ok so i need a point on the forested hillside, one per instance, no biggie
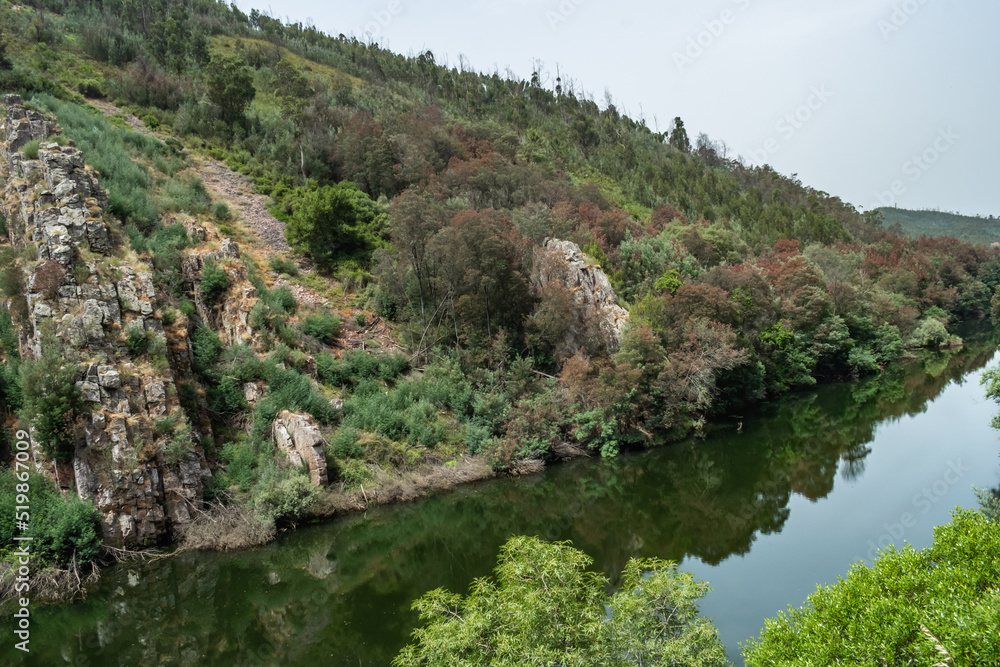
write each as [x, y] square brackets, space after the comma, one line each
[473, 268]
[971, 228]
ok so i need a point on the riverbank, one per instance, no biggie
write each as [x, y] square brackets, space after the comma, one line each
[797, 495]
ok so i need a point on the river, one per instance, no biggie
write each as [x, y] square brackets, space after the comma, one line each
[811, 484]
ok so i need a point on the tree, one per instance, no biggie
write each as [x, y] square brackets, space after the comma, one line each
[230, 86]
[52, 402]
[544, 608]
[333, 221]
[934, 606]
[679, 136]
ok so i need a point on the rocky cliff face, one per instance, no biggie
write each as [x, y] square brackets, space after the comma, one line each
[85, 294]
[594, 298]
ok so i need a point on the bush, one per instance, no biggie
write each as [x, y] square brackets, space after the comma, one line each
[188, 196]
[221, 212]
[137, 341]
[90, 88]
[353, 472]
[360, 365]
[323, 326]
[151, 121]
[214, 282]
[52, 402]
[931, 333]
[206, 348]
[284, 496]
[63, 528]
[280, 264]
[177, 447]
[30, 149]
[283, 299]
[187, 308]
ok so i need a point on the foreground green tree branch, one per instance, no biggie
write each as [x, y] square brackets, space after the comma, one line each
[543, 607]
[939, 605]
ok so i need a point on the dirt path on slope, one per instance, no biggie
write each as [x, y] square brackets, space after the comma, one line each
[268, 234]
[226, 184]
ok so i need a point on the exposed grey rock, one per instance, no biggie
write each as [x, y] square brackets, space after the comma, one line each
[229, 248]
[108, 377]
[563, 262]
[301, 440]
[90, 391]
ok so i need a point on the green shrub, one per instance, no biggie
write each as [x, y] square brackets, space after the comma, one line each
[3, 225]
[8, 337]
[90, 88]
[187, 308]
[221, 212]
[169, 316]
[30, 149]
[344, 444]
[52, 402]
[931, 333]
[137, 341]
[353, 472]
[63, 529]
[179, 444]
[557, 611]
[151, 121]
[360, 319]
[214, 282]
[188, 196]
[989, 503]
[360, 365]
[323, 326]
[225, 397]
[206, 348]
[283, 299]
[283, 265]
[284, 496]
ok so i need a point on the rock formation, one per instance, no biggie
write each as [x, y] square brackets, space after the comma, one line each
[595, 300]
[85, 294]
[299, 438]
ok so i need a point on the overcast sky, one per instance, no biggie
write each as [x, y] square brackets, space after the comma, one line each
[870, 100]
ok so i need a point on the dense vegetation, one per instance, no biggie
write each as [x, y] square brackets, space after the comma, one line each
[971, 228]
[427, 190]
[544, 608]
[940, 605]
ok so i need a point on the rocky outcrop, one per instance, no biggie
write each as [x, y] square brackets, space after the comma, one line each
[301, 441]
[594, 298]
[85, 297]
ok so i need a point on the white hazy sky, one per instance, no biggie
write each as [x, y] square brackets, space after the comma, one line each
[904, 94]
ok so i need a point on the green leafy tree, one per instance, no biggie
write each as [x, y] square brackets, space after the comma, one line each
[940, 605]
[52, 402]
[679, 136]
[230, 86]
[334, 221]
[544, 608]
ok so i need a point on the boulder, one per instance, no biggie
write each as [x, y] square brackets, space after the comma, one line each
[300, 439]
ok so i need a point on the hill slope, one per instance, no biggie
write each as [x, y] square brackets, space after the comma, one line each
[974, 229]
[483, 273]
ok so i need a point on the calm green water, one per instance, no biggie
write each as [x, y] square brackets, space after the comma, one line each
[807, 488]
